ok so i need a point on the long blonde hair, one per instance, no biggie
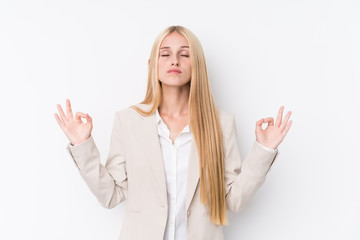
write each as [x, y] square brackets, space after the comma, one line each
[204, 122]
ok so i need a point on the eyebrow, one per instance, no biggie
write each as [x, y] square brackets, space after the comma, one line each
[169, 47]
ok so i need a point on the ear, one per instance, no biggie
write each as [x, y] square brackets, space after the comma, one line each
[149, 61]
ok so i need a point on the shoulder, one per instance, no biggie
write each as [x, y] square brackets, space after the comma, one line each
[129, 113]
[226, 118]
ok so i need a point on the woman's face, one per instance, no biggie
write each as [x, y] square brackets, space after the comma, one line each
[174, 66]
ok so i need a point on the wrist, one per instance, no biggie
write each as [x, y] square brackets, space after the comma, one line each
[267, 146]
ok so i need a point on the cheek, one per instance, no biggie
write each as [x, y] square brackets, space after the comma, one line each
[188, 66]
[160, 66]
[188, 71]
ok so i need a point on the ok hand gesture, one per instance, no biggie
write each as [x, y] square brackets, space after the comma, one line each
[273, 135]
[75, 130]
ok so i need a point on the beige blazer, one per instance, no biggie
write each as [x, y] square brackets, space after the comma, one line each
[134, 170]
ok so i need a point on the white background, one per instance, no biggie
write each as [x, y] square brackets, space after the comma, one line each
[304, 55]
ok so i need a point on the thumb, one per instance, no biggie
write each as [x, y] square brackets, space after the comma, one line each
[88, 118]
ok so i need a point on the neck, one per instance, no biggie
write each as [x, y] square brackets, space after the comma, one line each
[174, 100]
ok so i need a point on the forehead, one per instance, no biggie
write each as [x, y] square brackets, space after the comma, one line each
[174, 40]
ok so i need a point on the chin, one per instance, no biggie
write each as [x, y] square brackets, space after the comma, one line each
[174, 83]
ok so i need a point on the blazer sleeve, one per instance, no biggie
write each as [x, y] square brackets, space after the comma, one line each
[243, 178]
[108, 183]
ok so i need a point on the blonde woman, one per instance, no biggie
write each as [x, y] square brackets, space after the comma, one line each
[174, 156]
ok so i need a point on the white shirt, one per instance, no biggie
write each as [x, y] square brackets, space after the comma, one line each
[176, 158]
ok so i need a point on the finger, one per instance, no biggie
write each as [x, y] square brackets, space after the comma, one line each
[270, 121]
[286, 119]
[79, 115]
[61, 124]
[68, 109]
[259, 124]
[286, 129]
[62, 114]
[279, 116]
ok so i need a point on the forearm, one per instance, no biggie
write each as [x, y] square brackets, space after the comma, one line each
[252, 175]
[87, 158]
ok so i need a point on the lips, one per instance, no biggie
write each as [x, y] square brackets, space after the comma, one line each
[174, 71]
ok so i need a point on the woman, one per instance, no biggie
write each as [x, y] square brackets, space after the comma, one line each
[175, 155]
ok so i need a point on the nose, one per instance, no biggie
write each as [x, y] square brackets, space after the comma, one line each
[175, 61]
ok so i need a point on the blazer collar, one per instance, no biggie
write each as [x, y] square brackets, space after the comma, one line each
[152, 146]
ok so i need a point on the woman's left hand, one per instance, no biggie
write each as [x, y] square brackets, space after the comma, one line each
[273, 134]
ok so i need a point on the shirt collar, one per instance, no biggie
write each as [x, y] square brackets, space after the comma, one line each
[159, 119]
[157, 115]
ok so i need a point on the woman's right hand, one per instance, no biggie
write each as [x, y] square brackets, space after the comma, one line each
[75, 130]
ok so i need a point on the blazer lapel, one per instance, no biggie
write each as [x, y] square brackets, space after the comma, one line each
[151, 144]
